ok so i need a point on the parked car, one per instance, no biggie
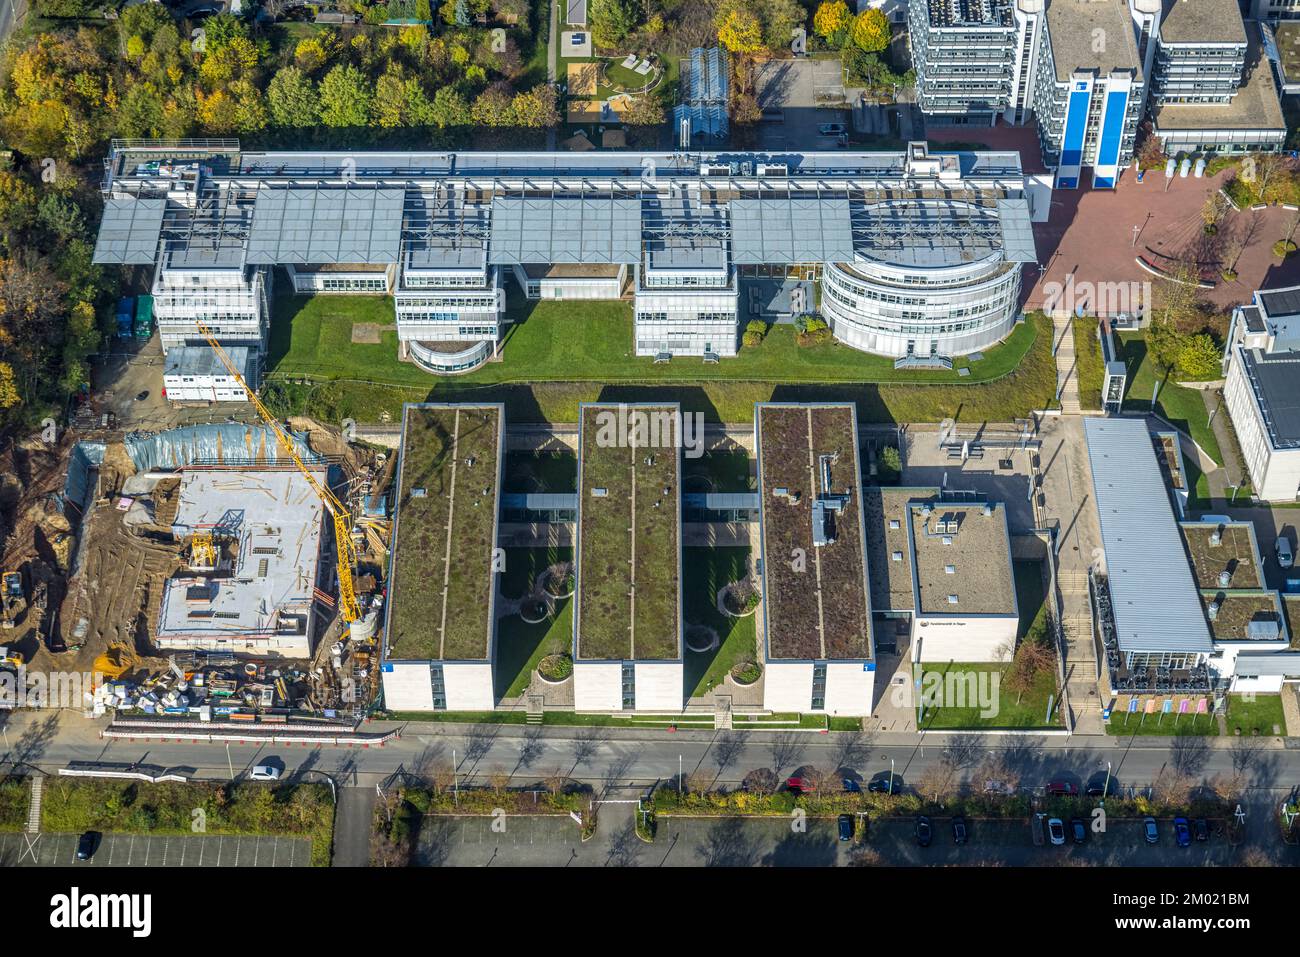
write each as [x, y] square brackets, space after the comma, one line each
[1182, 832]
[1201, 828]
[846, 827]
[959, 832]
[800, 785]
[265, 772]
[832, 129]
[885, 785]
[1056, 831]
[87, 844]
[924, 833]
[1061, 789]
[1151, 831]
[852, 786]
[1285, 557]
[1078, 830]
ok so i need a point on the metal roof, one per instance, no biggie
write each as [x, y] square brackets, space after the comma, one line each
[928, 233]
[443, 232]
[203, 361]
[1261, 664]
[301, 225]
[1275, 382]
[790, 230]
[564, 229]
[1278, 303]
[1153, 596]
[129, 231]
[1017, 231]
[682, 233]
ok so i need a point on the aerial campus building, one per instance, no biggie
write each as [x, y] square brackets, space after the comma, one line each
[1182, 607]
[922, 253]
[1262, 391]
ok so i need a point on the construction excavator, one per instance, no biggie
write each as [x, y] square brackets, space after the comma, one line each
[346, 550]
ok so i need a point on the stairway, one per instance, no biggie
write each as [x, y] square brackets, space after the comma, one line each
[1067, 380]
[34, 804]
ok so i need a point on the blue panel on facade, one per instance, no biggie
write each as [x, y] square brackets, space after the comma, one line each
[1103, 182]
[1076, 124]
[1112, 129]
[1067, 182]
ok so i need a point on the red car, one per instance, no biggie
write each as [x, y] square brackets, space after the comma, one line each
[1061, 789]
[800, 784]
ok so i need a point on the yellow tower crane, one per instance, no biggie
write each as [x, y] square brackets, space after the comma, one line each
[347, 551]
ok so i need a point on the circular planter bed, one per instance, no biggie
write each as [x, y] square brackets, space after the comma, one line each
[1284, 248]
[555, 669]
[534, 611]
[558, 581]
[738, 600]
[746, 673]
[701, 638]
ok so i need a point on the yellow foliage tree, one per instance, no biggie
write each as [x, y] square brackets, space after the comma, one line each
[8, 387]
[870, 31]
[831, 18]
[741, 32]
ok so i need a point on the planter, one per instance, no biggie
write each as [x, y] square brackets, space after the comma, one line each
[534, 611]
[725, 595]
[558, 574]
[701, 639]
[557, 665]
[745, 673]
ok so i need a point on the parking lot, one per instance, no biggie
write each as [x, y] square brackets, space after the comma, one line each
[141, 850]
[791, 93]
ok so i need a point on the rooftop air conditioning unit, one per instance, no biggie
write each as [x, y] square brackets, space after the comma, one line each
[772, 169]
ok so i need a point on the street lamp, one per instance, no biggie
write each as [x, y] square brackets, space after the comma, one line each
[1105, 789]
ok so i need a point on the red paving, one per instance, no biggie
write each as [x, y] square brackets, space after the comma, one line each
[1090, 234]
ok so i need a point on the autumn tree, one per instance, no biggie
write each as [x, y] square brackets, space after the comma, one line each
[870, 31]
[739, 30]
[831, 21]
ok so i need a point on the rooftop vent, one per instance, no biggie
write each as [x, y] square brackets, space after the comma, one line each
[1216, 536]
[894, 524]
[599, 492]
[950, 569]
[952, 599]
[897, 556]
[1212, 612]
[947, 539]
[1225, 576]
[418, 493]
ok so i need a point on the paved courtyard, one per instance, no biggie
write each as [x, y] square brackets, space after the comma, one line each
[156, 850]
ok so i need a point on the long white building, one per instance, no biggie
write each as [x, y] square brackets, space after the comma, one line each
[921, 253]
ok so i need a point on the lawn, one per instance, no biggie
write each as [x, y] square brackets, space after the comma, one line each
[520, 645]
[1180, 406]
[1031, 600]
[549, 367]
[72, 805]
[1089, 369]
[1257, 714]
[1012, 711]
[13, 804]
[706, 571]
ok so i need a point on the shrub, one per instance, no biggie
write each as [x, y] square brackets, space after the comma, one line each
[1283, 248]
[812, 331]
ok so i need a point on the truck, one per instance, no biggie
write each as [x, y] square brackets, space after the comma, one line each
[125, 316]
[143, 317]
[13, 597]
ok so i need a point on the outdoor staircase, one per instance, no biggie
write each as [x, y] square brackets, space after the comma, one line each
[1067, 379]
[536, 708]
[34, 804]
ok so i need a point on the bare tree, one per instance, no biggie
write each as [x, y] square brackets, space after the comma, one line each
[727, 749]
[851, 749]
[937, 781]
[1171, 788]
[498, 780]
[760, 781]
[785, 751]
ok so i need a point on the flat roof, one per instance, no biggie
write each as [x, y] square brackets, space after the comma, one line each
[271, 521]
[889, 562]
[1245, 615]
[129, 231]
[1154, 599]
[1073, 27]
[967, 13]
[790, 230]
[816, 604]
[1256, 105]
[1279, 304]
[442, 587]
[933, 232]
[629, 546]
[972, 563]
[1236, 553]
[683, 233]
[590, 229]
[203, 361]
[323, 224]
[1287, 35]
[1275, 380]
[1202, 21]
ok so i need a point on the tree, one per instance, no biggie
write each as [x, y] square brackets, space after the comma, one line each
[345, 97]
[8, 387]
[740, 31]
[536, 107]
[449, 108]
[612, 21]
[831, 21]
[870, 31]
[292, 100]
[1199, 358]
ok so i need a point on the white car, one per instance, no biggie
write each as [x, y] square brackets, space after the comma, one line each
[264, 772]
[1056, 831]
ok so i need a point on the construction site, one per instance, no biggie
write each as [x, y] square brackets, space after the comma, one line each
[195, 572]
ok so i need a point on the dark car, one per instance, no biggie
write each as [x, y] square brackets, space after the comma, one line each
[1201, 828]
[959, 832]
[1061, 789]
[852, 786]
[883, 786]
[87, 844]
[141, 396]
[1100, 786]
[1151, 831]
[1182, 832]
[846, 827]
[1078, 830]
[924, 833]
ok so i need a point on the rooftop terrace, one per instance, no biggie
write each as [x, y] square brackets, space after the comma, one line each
[629, 534]
[441, 594]
[815, 595]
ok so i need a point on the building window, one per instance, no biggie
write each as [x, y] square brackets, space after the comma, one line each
[819, 686]
[629, 686]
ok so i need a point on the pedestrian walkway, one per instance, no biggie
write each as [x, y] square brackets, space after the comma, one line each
[1233, 473]
[1067, 379]
[37, 785]
[353, 822]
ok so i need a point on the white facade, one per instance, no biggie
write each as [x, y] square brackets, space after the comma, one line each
[965, 638]
[407, 686]
[787, 686]
[203, 388]
[1274, 472]
[598, 686]
[465, 686]
[561, 283]
[340, 280]
[231, 302]
[660, 685]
